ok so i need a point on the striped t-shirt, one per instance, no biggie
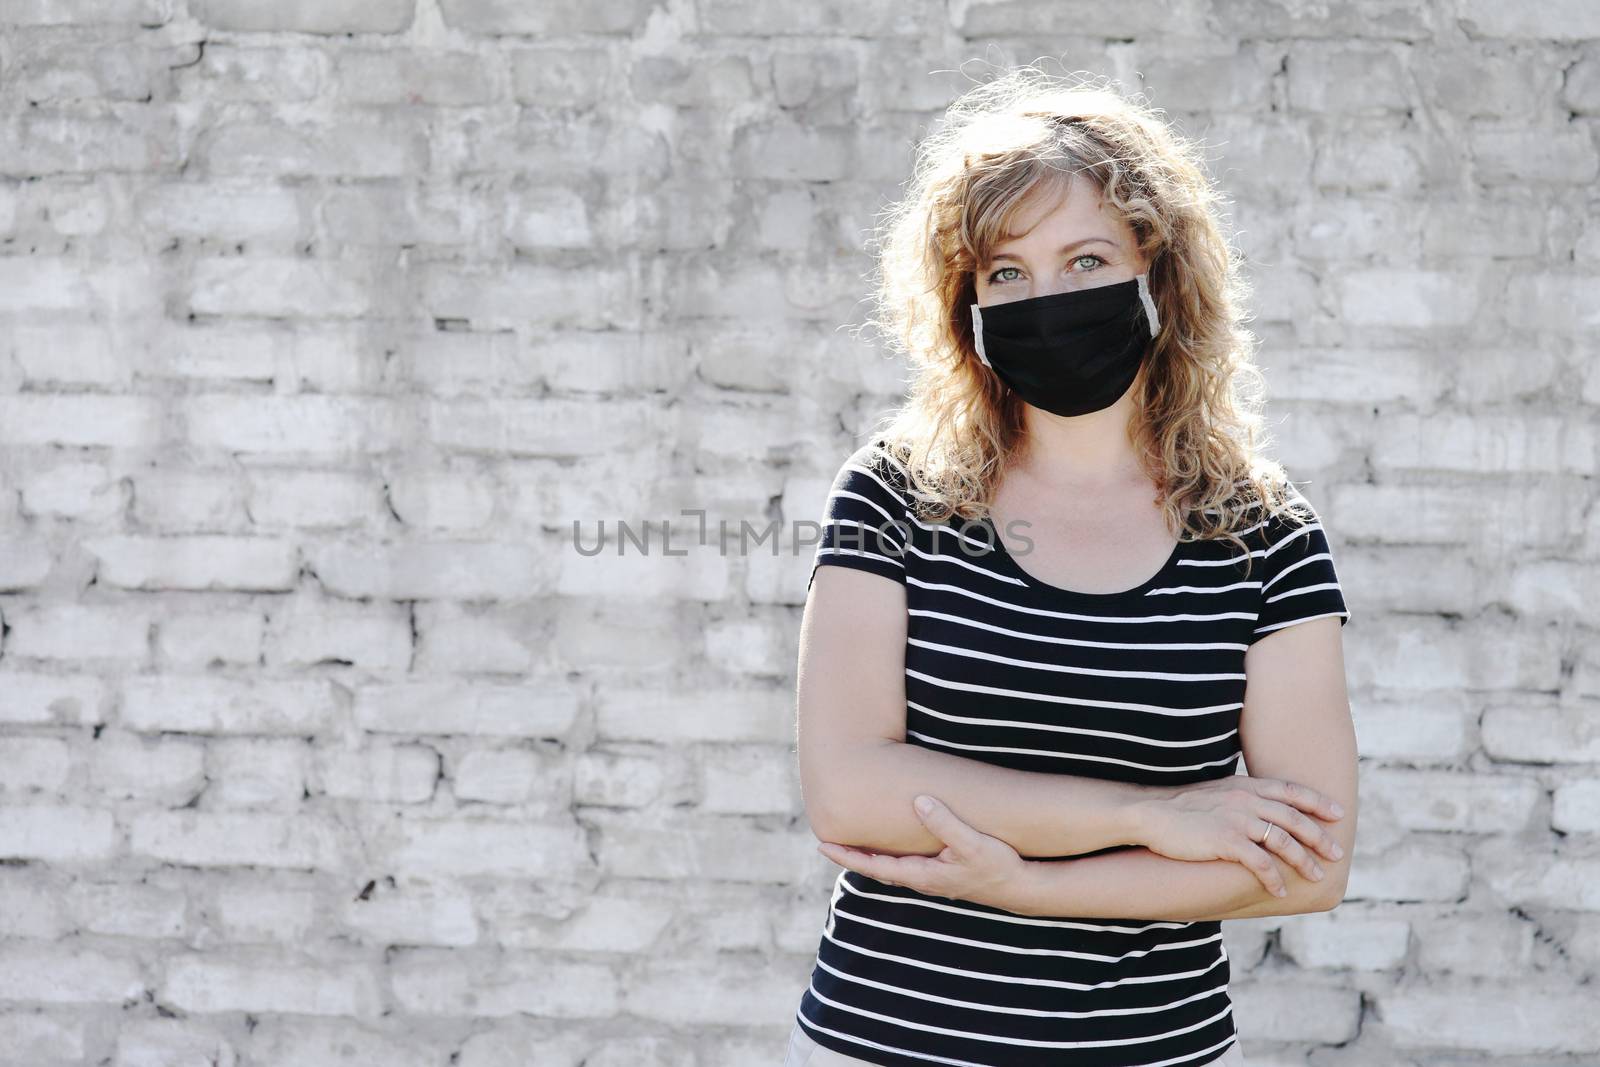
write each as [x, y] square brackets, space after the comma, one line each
[1144, 686]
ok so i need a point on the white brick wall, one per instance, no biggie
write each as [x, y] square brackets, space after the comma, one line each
[319, 743]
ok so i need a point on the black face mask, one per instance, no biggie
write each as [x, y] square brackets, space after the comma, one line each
[1069, 353]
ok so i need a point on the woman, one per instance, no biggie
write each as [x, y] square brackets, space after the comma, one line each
[1058, 596]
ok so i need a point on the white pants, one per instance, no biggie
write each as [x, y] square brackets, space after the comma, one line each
[804, 1052]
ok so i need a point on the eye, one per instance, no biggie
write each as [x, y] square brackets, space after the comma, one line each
[1089, 255]
[993, 278]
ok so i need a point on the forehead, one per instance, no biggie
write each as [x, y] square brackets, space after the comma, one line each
[1053, 214]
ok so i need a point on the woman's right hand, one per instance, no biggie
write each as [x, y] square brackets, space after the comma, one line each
[1225, 818]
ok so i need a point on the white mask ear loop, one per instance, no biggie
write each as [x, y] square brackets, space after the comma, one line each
[1149, 304]
[977, 335]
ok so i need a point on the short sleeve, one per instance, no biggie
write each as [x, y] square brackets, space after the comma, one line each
[865, 522]
[1298, 579]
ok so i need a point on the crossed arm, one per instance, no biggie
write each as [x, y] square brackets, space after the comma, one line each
[1295, 725]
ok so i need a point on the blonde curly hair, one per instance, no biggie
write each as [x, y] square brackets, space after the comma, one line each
[1198, 428]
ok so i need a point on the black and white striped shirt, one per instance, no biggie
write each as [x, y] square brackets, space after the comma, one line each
[1145, 686]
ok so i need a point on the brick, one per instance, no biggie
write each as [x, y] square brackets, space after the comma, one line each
[1225, 77]
[1466, 803]
[1521, 154]
[429, 570]
[158, 1042]
[1534, 875]
[251, 912]
[80, 419]
[1407, 298]
[32, 907]
[482, 709]
[89, 12]
[502, 848]
[64, 141]
[1486, 443]
[727, 849]
[308, 499]
[1483, 84]
[1541, 732]
[187, 500]
[608, 921]
[1489, 946]
[490, 17]
[450, 501]
[394, 774]
[441, 982]
[31, 1037]
[308, 633]
[614, 364]
[747, 780]
[661, 992]
[451, 639]
[70, 355]
[61, 973]
[1432, 727]
[124, 766]
[251, 773]
[1416, 872]
[34, 764]
[619, 781]
[1545, 301]
[1580, 90]
[505, 777]
[45, 699]
[1554, 1017]
[291, 425]
[555, 428]
[1348, 79]
[569, 74]
[57, 834]
[25, 563]
[211, 705]
[1575, 808]
[326, 1040]
[84, 491]
[129, 910]
[1560, 20]
[235, 839]
[196, 641]
[1426, 653]
[76, 633]
[414, 77]
[710, 714]
[1361, 19]
[263, 983]
[1533, 513]
[392, 915]
[913, 19]
[196, 562]
[1345, 938]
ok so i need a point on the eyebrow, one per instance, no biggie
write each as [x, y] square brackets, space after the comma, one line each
[1062, 250]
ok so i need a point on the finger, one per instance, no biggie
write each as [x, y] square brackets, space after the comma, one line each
[1304, 827]
[1259, 862]
[908, 871]
[1282, 842]
[1302, 796]
[944, 823]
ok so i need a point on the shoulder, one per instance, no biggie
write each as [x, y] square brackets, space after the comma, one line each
[1274, 509]
[876, 468]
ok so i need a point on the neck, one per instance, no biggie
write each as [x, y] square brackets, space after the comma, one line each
[1086, 452]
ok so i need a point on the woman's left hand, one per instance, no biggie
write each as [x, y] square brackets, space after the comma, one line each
[973, 865]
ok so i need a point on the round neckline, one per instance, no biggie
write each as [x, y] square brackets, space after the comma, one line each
[1011, 565]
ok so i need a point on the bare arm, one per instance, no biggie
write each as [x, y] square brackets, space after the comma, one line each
[857, 774]
[1295, 725]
